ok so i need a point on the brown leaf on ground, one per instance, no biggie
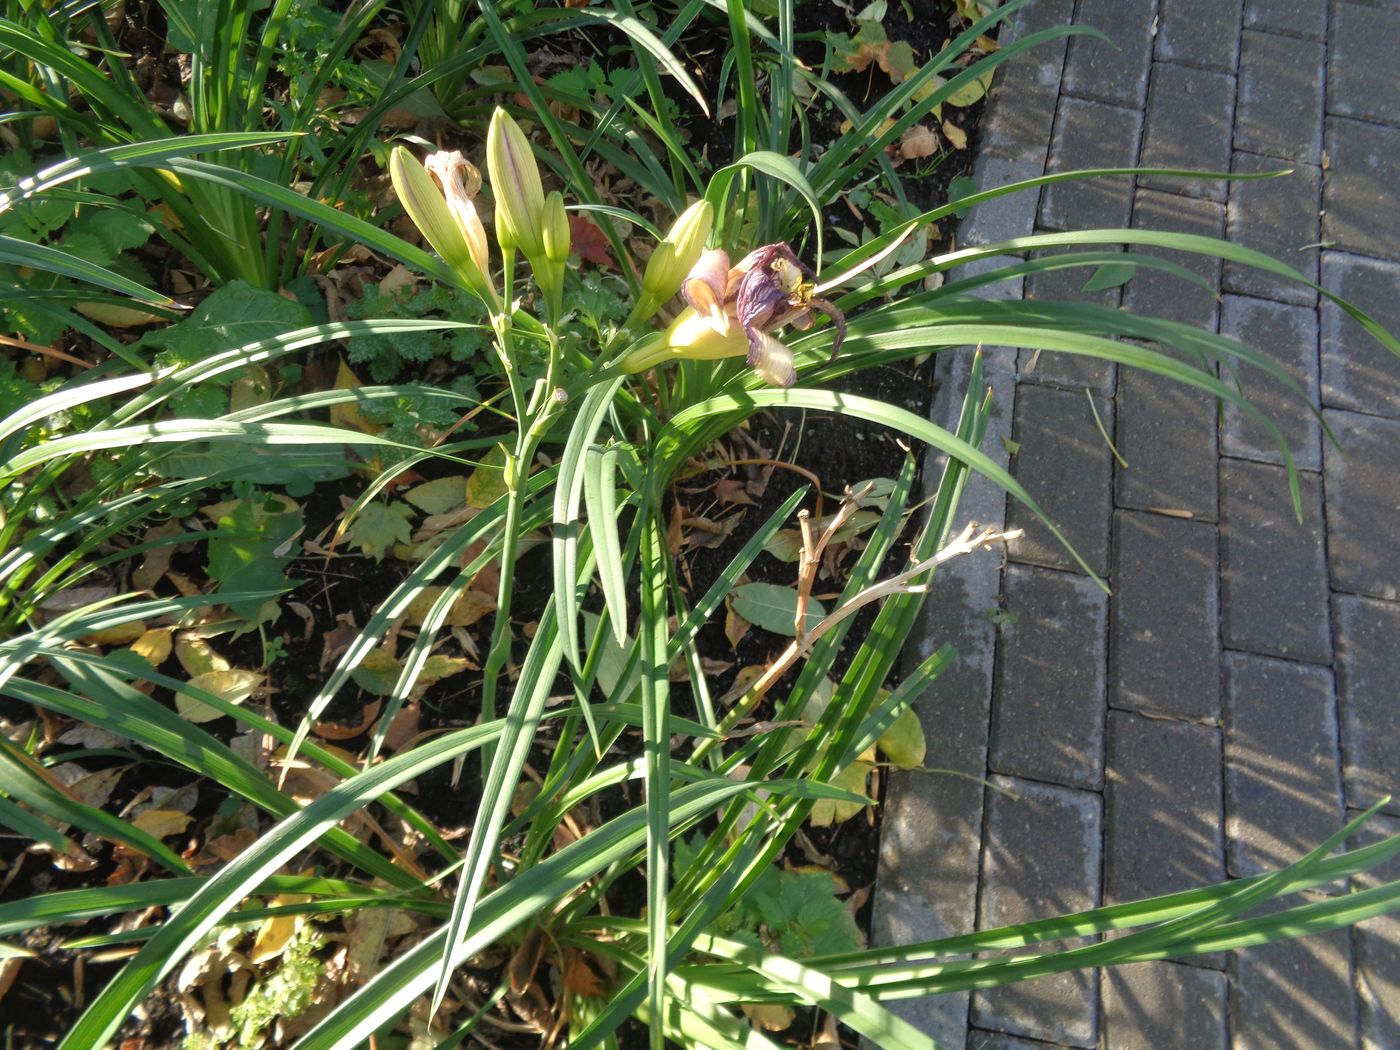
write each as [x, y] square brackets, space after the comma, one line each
[470, 606]
[336, 731]
[162, 823]
[580, 978]
[156, 560]
[735, 626]
[733, 491]
[918, 142]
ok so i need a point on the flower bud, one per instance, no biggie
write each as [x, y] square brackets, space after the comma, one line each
[515, 179]
[556, 229]
[679, 252]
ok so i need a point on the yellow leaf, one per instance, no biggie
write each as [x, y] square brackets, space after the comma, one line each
[118, 635]
[903, 742]
[956, 135]
[771, 1017]
[196, 655]
[470, 606]
[161, 823]
[828, 811]
[154, 645]
[349, 415]
[231, 685]
[438, 496]
[488, 481]
[277, 932]
[114, 315]
[972, 91]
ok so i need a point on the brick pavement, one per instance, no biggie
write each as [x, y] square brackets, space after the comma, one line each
[1235, 697]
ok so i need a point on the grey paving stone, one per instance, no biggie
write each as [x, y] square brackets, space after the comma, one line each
[1156, 294]
[1021, 109]
[1273, 570]
[1279, 217]
[1189, 115]
[1357, 372]
[1066, 465]
[1203, 33]
[1167, 436]
[1075, 371]
[1377, 944]
[1146, 1006]
[1279, 111]
[1359, 192]
[1162, 806]
[1361, 79]
[1288, 335]
[1164, 642]
[1283, 792]
[1048, 704]
[1299, 17]
[998, 288]
[1062, 830]
[930, 839]
[1363, 504]
[1091, 135]
[1043, 14]
[979, 1039]
[1097, 70]
[1368, 668]
[927, 884]
[1294, 994]
[1006, 217]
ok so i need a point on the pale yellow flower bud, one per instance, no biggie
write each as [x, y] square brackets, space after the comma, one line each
[515, 179]
[679, 252]
[556, 229]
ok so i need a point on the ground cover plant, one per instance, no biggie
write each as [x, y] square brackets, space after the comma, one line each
[520, 800]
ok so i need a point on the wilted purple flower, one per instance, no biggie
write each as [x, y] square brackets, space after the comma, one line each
[768, 288]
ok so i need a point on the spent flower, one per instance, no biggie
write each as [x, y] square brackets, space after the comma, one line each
[734, 310]
[437, 195]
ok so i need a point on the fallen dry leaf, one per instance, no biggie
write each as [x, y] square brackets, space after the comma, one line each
[919, 141]
[161, 823]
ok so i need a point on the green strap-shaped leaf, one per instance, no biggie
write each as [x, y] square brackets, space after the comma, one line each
[600, 500]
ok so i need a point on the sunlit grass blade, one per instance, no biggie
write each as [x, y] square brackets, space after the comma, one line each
[527, 706]
[600, 500]
[653, 46]
[25, 254]
[774, 165]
